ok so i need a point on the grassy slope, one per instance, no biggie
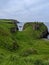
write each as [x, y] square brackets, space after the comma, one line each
[25, 40]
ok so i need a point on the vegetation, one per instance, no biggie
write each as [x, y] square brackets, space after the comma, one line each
[23, 47]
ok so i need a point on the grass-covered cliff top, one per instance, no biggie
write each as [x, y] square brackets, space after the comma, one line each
[23, 47]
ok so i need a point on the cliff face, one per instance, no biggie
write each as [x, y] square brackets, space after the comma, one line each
[38, 30]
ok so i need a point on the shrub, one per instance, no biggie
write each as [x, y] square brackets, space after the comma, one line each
[10, 46]
[38, 62]
[14, 46]
[30, 51]
[46, 63]
[13, 58]
[1, 57]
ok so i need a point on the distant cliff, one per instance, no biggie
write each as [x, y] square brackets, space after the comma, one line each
[36, 29]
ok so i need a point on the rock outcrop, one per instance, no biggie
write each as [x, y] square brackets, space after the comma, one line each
[13, 29]
[36, 26]
[38, 29]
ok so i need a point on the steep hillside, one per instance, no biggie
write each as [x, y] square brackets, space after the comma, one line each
[23, 47]
[7, 28]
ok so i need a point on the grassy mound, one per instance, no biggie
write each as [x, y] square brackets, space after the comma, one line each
[23, 47]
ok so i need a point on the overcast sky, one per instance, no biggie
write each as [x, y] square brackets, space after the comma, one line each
[25, 10]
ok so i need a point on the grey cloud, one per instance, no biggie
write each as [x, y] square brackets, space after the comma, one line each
[24, 10]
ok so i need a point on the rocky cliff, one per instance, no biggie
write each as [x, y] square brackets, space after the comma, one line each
[39, 29]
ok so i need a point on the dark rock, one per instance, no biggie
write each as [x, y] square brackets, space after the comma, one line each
[44, 34]
[48, 32]
[13, 29]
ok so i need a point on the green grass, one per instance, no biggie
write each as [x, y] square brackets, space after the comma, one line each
[27, 41]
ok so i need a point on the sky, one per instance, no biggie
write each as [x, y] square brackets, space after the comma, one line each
[25, 10]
